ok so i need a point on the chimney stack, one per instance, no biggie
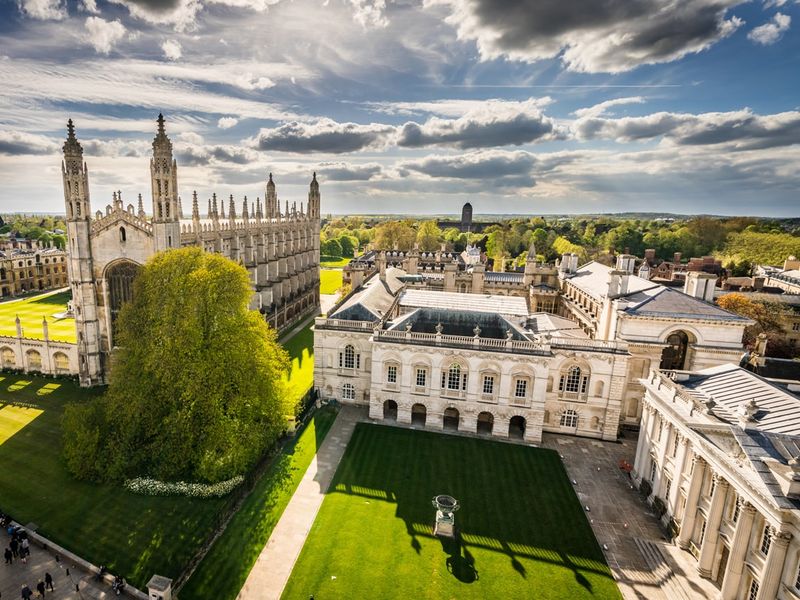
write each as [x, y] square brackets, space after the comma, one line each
[700, 285]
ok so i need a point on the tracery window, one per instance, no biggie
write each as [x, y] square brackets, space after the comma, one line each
[349, 359]
[454, 378]
[569, 418]
[573, 381]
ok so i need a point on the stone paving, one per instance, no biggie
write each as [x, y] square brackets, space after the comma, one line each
[619, 515]
[65, 577]
[274, 565]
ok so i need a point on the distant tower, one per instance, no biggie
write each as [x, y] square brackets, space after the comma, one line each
[75, 175]
[271, 199]
[466, 217]
[164, 179]
[313, 198]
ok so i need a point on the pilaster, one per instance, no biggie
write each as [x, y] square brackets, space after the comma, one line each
[773, 567]
[741, 539]
[692, 496]
[708, 548]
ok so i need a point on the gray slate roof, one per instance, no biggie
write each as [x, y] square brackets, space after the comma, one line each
[373, 300]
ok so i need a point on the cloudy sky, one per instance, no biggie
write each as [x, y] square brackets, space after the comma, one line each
[519, 106]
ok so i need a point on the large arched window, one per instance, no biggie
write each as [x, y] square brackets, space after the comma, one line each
[34, 360]
[673, 357]
[8, 357]
[120, 278]
[455, 378]
[349, 358]
[61, 361]
[574, 381]
[569, 418]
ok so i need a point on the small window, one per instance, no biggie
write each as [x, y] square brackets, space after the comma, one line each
[454, 379]
[521, 388]
[653, 468]
[349, 359]
[702, 533]
[391, 374]
[422, 377]
[797, 579]
[122, 235]
[348, 392]
[712, 488]
[675, 443]
[667, 488]
[737, 507]
[569, 418]
[752, 593]
[488, 384]
[766, 540]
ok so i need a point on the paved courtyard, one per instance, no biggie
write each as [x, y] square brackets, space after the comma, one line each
[644, 563]
[66, 577]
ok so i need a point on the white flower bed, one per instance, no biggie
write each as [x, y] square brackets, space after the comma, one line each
[154, 487]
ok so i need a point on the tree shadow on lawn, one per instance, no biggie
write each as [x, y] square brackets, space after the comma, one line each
[515, 500]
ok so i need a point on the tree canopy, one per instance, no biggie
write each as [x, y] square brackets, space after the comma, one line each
[196, 388]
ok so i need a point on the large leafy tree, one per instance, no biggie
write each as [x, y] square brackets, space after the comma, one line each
[196, 388]
[768, 319]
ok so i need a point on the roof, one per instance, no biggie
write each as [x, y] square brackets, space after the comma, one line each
[664, 301]
[592, 278]
[731, 387]
[504, 277]
[554, 325]
[458, 322]
[374, 299]
[504, 305]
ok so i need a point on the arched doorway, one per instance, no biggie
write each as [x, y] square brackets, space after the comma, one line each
[516, 427]
[485, 423]
[450, 419]
[119, 278]
[673, 357]
[418, 414]
[390, 410]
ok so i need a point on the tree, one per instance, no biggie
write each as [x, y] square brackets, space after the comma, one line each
[429, 236]
[768, 317]
[196, 386]
[394, 234]
[331, 248]
[348, 244]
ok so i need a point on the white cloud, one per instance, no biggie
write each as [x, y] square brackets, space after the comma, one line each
[89, 6]
[771, 32]
[602, 107]
[172, 49]
[14, 143]
[179, 13]
[592, 35]
[322, 135]
[103, 35]
[227, 122]
[370, 13]
[446, 107]
[44, 10]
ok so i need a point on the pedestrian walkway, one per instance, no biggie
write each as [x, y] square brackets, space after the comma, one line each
[274, 565]
[66, 577]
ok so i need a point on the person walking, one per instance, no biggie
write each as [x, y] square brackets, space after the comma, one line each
[26, 593]
[40, 588]
[26, 546]
[14, 546]
[9, 556]
[48, 581]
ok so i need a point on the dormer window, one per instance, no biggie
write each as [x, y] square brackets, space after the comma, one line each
[122, 235]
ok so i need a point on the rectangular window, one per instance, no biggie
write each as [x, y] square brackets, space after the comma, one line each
[521, 388]
[766, 540]
[712, 487]
[422, 377]
[653, 467]
[391, 374]
[488, 384]
[752, 593]
[737, 506]
[667, 489]
[797, 580]
[348, 392]
[795, 326]
[675, 445]
[702, 533]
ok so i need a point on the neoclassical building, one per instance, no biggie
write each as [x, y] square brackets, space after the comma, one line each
[279, 249]
[719, 450]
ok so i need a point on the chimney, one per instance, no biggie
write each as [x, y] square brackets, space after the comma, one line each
[761, 348]
[573, 263]
[626, 262]
[676, 258]
[617, 283]
[650, 255]
[700, 285]
[382, 265]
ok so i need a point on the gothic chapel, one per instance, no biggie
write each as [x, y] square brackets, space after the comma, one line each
[280, 250]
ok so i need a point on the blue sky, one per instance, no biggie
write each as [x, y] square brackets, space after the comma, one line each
[533, 106]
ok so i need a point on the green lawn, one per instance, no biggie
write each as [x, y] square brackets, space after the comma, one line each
[225, 568]
[330, 262]
[31, 310]
[132, 535]
[330, 280]
[301, 371]
[524, 533]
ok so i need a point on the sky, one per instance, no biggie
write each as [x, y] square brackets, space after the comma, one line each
[517, 106]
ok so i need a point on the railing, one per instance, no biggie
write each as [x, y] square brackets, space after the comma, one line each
[573, 396]
[460, 341]
[344, 324]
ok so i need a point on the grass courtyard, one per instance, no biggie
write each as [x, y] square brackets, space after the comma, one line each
[31, 311]
[330, 280]
[131, 534]
[523, 531]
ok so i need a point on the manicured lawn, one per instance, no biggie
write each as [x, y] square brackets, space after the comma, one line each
[132, 535]
[301, 352]
[225, 568]
[31, 311]
[524, 534]
[334, 262]
[330, 280]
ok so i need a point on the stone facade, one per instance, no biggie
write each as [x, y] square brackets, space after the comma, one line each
[28, 270]
[719, 450]
[38, 355]
[279, 249]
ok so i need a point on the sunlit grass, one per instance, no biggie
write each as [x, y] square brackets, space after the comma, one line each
[523, 531]
[330, 280]
[32, 310]
[14, 418]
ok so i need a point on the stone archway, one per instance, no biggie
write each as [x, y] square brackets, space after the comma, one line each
[390, 410]
[450, 419]
[673, 356]
[485, 423]
[419, 414]
[516, 427]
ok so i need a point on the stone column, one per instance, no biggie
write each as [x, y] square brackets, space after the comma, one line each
[666, 434]
[642, 445]
[692, 496]
[677, 474]
[773, 567]
[741, 539]
[708, 548]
